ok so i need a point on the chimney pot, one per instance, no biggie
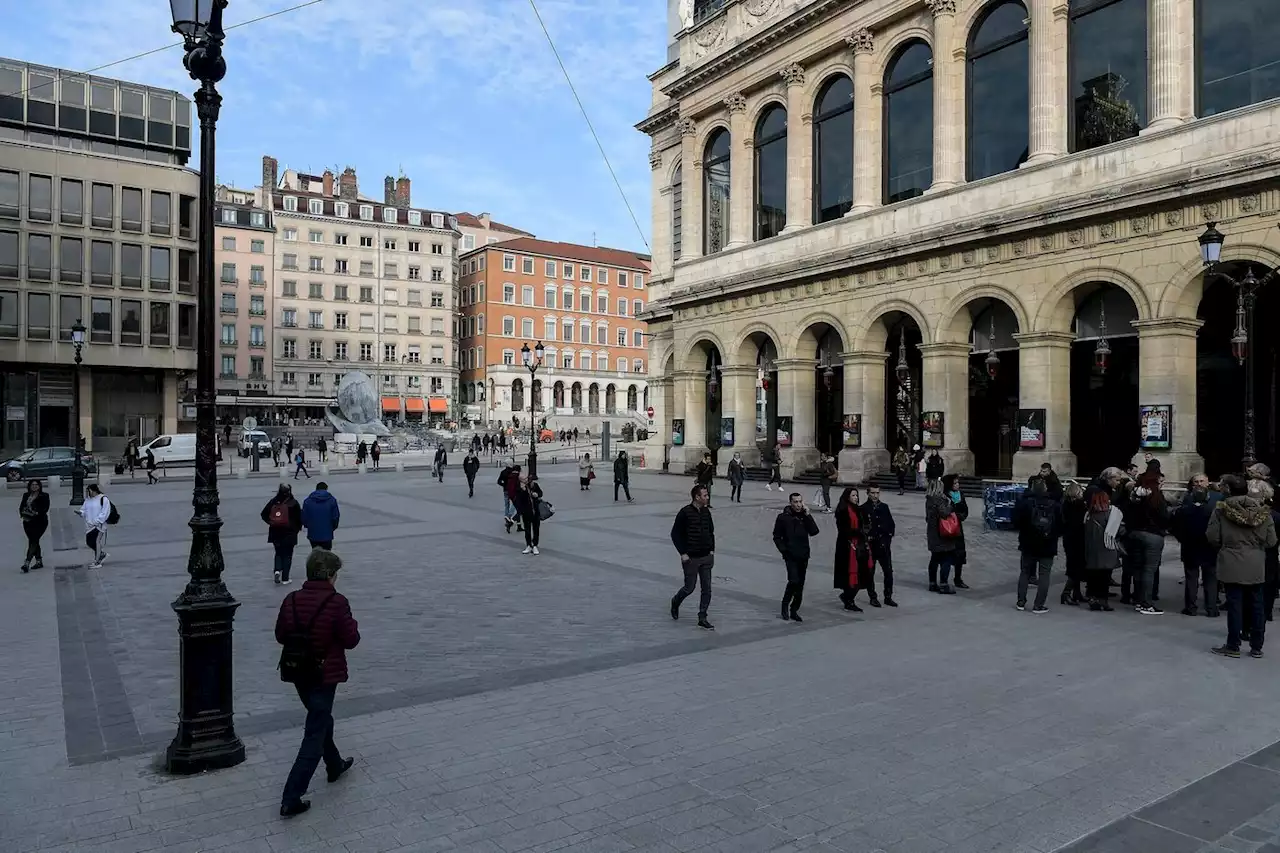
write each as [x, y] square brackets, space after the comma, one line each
[402, 193]
[270, 174]
[348, 187]
[327, 179]
[389, 190]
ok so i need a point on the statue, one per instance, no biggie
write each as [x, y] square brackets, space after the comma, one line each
[686, 14]
[359, 408]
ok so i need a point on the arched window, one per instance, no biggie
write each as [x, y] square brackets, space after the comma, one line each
[1237, 54]
[517, 395]
[999, 91]
[771, 172]
[833, 150]
[908, 123]
[715, 192]
[1108, 44]
[677, 204]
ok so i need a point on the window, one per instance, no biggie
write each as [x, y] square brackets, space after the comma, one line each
[71, 201]
[715, 192]
[340, 319]
[340, 266]
[102, 199]
[161, 264]
[549, 329]
[315, 207]
[437, 274]
[389, 245]
[415, 273]
[389, 322]
[508, 356]
[526, 327]
[161, 213]
[340, 292]
[290, 204]
[602, 303]
[390, 296]
[316, 264]
[602, 334]
[257, 367]
[566, 330]
[584, 273]
[1108, 66]
[415, 381]
[40, 256]
[366, 241]
[257, 305]
[340, 350]
[289, 288]
[315, 319]
[416, 246]
[341, 208]
[366, 294]
[833, 150]
[567, 302]
[159, 331]
[636, 307]
[566, 271]
[315, 350]
[100, 321]
[257, 218]
[622, 337]
[526, 266]
[40, 201]
[366, 352]
[9, 254]
[228, 273]
[526, 294]
[257, 275]
[622, 307]
[228, 367]
[315, 380]
[315, 236]
[70, 309]
[130, 266]
[366, 212]
[549, 296]
[584, 361]
[228, 244]
[339, 239]
[908, 122]
[508, 263]
[228, 333]
[437, 299]
[437, 326]
[1238, 55]
[415, 326]
[568, 361]
[10, 197]
[288, 377]
[39, 317]
[228, 303]
[639, 281]
[315, 290]
[289, 262]
[622, 278]
[508, 326]
[290, 347]
[637, 366]
[390, 270]
[437, 355]
[468, 241]
[622, 365]
[187, 326]
[998, 98]
[415, 354]
[289, 317]
[388, 214]
[257, 336]
[290, 235]
[366, 269]
[509, 294]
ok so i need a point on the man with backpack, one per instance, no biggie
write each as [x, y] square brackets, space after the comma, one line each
[320, 515]
[316, 629]
[1038, 519]
[283, 516]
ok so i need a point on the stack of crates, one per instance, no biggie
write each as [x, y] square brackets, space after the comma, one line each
[997, 505]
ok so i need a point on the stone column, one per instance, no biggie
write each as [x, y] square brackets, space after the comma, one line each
[679, 404]
[1167, 375]
[946, 390]
[171, 402]
[1044, 382]
[948, 98]
[660, 216]
[799, 151]
[690, 192]
[741, 172]
[796, 381]
[738, 390]
[1170, 49]
[1048, 39]
[868, 119]
[660, 432]
[864, 394]
[695, 415]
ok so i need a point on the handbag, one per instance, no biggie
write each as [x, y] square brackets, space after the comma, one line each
[949, 526]
[591, 473]
[545, 510]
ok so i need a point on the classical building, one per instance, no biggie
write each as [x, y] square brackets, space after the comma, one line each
[97, 225]
[582, 303]
[361, 284]
[481, 230]
[969, 224]
[244, 246]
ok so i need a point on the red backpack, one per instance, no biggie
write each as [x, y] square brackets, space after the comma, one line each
[279, 515]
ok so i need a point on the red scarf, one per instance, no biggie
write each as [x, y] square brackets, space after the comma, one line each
[855, 526]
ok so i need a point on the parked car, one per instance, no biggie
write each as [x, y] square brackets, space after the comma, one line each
[246, 442]
[44, 462]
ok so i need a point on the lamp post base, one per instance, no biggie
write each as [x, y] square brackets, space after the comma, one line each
[533, 462]
[77, 486]
[206, 738]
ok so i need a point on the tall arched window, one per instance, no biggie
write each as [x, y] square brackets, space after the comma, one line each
[771, 172]
[908, 123]
[999, 91]
[833, 150]
[715, 192]
[1237, 54]
[677, 203]
[1108, 45]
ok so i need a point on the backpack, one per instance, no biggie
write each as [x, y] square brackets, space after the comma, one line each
[279, 515]
[298, 661]
[1042, 519]
[113, 517]
[502, 478]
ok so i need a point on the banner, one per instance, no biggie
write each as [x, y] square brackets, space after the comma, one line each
[784, 431]
[726, 432]
[677, 431]
[931, 425]
[852, 430]
[1157, 427]
[1031, 428]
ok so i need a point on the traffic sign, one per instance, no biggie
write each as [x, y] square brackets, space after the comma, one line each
[250, 423]
[650, 411]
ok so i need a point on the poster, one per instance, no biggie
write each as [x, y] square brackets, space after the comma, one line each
[1157, 427]
[852, 430]
[726, 432]
[931, 429]
[1031, 428]
[677, 431]
[784, 431]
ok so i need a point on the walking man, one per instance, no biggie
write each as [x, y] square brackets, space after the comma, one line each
[301, 460]
[441, 460]
[736, 475]
[376, 453]
[791, 532]
[880, 530]
[322, 447]
[316, 629]
[827, 477]
[470, 467]
[704, 474]
[621, 477]
[320, 515]
[694, 535]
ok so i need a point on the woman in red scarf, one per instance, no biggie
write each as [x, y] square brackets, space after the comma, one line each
[852, 554]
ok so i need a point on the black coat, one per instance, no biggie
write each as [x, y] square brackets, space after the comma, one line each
[1031, 541]
[694, 531]
[620, 474]
[791, 532]
[471, 466]
[880, 525]
[849, 542]
[1054, 484]
[35, 512]
[934, 468]
[286, 536]
[1073, 518]
[526, 501]
[704, 473]
[1188, 524]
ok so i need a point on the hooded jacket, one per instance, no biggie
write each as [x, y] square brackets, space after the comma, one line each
[320, 516]
[1241, 529]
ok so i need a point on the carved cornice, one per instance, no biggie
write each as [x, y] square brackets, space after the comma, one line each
[793, 74]
[941, 7]
[659, 121]
[862, 41]
[687, 127]
[736, 103]
[655, 160]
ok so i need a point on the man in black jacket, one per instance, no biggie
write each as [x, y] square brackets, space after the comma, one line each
[791, 534]
[880, 530]
[704, 473]
[694, 535]
[471, 467]
[1199, 559]
[1038, 519]
[621, 476]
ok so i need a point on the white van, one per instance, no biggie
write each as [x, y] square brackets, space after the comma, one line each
[247, 438]
[177, 449]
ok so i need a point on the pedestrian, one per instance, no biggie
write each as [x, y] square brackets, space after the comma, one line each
[920, 466]
[283, 516]
[316, 629]
[528, 495]
[441, 460]
[944, 521]
[878, 522]
[901, 467]
[621, 476]
[288, 446]
[34, 512]
[791, 533]
[694, 535]
[471, 467]
[1189, 524]
[1038, 519]
[1261, 490]
[132, 456]
[97, 513]
[951, 488]
[704, 474]
[375, 452]
[320, 515]
[1242, 530]
[151, 468]
[276, 444]
[1146, 518]
[322, 447]
[586, 472]
[775, 470]
[362, 452]
[737, 475]
[852, 555]
[934, 466]
[1074, 513]
[826, 478]
[300, 459]
[1051, 481]
[226, 434]
[575, 435]
[1103, 530]
[1273, 558]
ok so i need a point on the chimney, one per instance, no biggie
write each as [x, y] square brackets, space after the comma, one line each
[389, 191]
[328, 183]
[304, 183]
[402, 193]
[270, 174]
[348, 189]
[484, 220]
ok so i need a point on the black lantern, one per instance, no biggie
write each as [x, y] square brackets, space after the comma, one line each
[1211, 245]
[1240, 336]
[77, 467]
[713, 382]
[993, 360]
[532, 360]
[828, 375]
[1101, 350]
[902, 371]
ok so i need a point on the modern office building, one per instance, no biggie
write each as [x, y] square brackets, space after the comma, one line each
[244, 260]
[97, 225]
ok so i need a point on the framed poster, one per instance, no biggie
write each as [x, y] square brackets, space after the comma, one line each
[726, 432]
[1031, 428]
[677, 431]
[851, 429]
[931, 424]
[1157, 427]
[784, 431]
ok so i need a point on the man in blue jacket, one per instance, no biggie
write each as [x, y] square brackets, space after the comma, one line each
[320, 516]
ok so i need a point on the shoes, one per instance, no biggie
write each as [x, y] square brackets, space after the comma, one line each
[1148, 610]
[346, 765]
[507, 524]
[795, 617]
[785, 614]
[853, 608]
[1225, 651]
[1188, 611]
[946, 589]
[94, 566]
[875, 602]
[1212, 613]
[675, 609]
[1039, 608]
[295, 809]
[277, 578]
[527, 550]
[961, 584]
[1255, 653]
[1095, 605]
[286, 582]
[26, 567]
[705, 625]
[1068, 600]
[888, 600]
[39, 564]
[103, 559]
[536, 552]
[1021, 605]
[933, 587]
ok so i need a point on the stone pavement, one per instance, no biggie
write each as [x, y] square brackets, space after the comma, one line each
[504, 703]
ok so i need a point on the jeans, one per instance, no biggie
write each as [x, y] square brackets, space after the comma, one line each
[1196, 572]
[920, 482]
[325, 544]
[97, 541]
[1039, 566]
[902, 481]
[940, 565]
[881, 555]
[284, 560]
[532, 526]
[34, 530]
[775, 476]
[1240, 596]
[624, 485]
[508, 508]
[826, 495]
[697, 572]
[794, 592]
[302, 469]
[317, 742]
[1142, 564]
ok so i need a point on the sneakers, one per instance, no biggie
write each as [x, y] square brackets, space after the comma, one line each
[536, 552]
[1039, 608]
[933, 587]
[851, 607]
[103, 559]
[1148, 610]
[294, 809]
[875, 602]
[1253, 653]
[1188, 611]
[39, 564]
[26, 567]
[704, 624]
[277, 578]
[286, 582]
[1021, 605]
[1227, 651]
[527, 550]
[784, 614]
[946, 589]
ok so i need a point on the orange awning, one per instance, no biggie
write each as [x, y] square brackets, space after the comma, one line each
[390, 404]
[439, 405]
[414, 404]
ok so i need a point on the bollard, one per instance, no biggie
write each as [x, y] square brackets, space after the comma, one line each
[55, 483]
[362, 468]
[242, 474]
[284, 473]
[324, 469]
[399, 467]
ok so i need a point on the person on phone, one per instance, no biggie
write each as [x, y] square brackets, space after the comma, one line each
[694, 535]
[791, 532]
[528, 494]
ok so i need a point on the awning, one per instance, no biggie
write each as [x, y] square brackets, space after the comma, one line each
[414, 404]
[390, 404]
[438, 405]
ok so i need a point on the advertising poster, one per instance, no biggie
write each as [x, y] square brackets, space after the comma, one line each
[726, 432]
[677, 431]
[931, 429]
[784, 431]
[852, 429]
[1157, 427]
[1031, 428]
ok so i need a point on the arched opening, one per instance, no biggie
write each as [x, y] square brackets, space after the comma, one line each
[575, 397]
[677, 209]
[903, 381]
[517, 396]
[535, 396]
[633, 399]
[715, 192]
[999, 96]
[593, 399]
[557, 395]
[908, 123]
[993, 387]
[1220, 377]
[1237, 54]
[833, 149]
[760, 349]
[1108, 67]
[1104, 378]
[610, 399]
[771, 172]
[828, 386]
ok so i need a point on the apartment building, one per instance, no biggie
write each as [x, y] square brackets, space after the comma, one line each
[97, 225]
[481, 230]
[361, 284]
[581, 302]
[244, 247]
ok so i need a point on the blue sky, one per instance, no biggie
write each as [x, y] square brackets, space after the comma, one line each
[464, 96]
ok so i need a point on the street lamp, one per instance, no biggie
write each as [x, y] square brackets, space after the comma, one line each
[1102, 349]
[993, 361]
[532, 359]
[206, 737]
[77, 467]
[901, 369]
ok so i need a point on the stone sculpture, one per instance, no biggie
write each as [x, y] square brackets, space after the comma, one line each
[358, 406]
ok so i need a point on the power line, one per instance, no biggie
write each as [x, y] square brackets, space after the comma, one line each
[156, 50]
[590, 126]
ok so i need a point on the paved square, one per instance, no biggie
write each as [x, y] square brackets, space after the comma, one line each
[502, 702]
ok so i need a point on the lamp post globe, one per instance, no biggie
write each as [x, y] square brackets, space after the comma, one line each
[77, 465]
[532, 359]
[1211, 245]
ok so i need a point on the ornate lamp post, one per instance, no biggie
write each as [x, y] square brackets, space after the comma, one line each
[1102, 349]
[532, 359]
[206, 737]
[77, 467]
[901, 369]
[992, 361]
